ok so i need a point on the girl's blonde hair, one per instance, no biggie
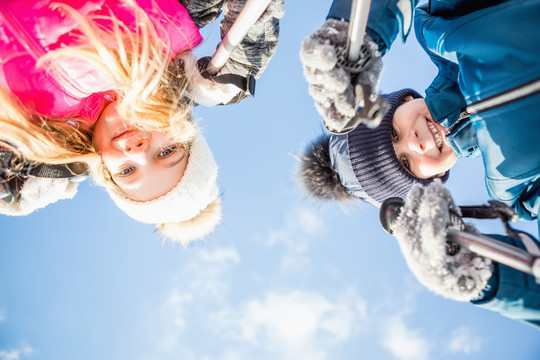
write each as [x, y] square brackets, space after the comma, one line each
[149, 90]
[37, 138]
[150, 93]
[150, 86]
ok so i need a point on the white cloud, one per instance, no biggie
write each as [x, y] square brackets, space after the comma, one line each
[16, 354]
[294, 263]
[404, 343]
[206, 270]
[464, 341]
[301, 227]
[298, 324]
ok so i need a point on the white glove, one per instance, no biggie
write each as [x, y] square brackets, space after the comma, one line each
[38, 193]
[203, 91]
[331, 84]
[421, 233]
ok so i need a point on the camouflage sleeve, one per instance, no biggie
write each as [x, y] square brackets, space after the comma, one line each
[203, 12]
[254, 52]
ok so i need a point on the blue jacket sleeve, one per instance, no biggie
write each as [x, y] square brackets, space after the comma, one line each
[387, 18]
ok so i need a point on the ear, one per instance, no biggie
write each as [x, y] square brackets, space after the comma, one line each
[439, 175]
[408, 98]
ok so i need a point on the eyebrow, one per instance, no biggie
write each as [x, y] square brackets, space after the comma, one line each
[133, 179]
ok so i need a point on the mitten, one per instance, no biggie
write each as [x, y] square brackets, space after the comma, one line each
[337, 88]
[37, 193]
[421, 231]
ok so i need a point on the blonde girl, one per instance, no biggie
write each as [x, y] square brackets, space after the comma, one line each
[95, 82]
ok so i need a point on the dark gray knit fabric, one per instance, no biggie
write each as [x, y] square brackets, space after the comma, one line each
[374, 160]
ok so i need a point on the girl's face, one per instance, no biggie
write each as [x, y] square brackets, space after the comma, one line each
[144, 164]
[419, 142]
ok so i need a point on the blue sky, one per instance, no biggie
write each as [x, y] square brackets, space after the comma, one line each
[283, 277]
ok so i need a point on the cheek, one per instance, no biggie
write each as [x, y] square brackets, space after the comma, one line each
[450, 158]
[98, 138]
[111, 159]
[432, 166]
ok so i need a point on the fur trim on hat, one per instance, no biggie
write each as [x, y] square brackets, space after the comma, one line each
[186, 232]
[317, 175]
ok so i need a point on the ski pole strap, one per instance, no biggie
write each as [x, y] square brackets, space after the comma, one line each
[245, 84]
[64, 171]
[11, 166]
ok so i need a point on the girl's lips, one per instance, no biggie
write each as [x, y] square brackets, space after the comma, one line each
[124, 134]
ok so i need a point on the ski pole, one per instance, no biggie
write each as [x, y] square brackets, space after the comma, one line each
[357, 28]
[251, 12]
[496, 250]
[482, 245]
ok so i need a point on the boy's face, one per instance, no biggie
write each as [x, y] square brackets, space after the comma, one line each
[419, 142]
[144, 164]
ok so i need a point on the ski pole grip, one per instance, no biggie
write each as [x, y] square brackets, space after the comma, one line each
[249, 15]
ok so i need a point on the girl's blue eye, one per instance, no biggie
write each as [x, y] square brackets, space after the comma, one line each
[127, 171]
[167, 152]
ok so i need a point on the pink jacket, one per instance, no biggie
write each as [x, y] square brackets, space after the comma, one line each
[31, 28]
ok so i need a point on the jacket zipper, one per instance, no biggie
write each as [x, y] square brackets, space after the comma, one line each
[58, 75]
[500, 99]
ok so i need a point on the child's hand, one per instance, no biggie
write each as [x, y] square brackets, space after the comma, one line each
[205, 91]
[421, 233]
[332, 85]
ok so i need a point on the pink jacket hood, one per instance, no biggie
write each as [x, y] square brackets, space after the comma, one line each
[31, 28]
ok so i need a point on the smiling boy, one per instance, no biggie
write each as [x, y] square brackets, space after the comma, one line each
[483, 101]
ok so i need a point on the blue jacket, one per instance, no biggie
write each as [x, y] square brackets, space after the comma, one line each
[479, 51]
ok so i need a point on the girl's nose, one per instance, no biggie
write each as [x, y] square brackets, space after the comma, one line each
[135, 146]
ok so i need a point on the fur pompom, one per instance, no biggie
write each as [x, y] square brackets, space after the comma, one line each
[186, 232]
[318, 176]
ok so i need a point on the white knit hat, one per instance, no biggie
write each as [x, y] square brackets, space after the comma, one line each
[195, 191]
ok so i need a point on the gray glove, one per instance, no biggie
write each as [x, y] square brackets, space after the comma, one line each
[421, 232]
[338, 88]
